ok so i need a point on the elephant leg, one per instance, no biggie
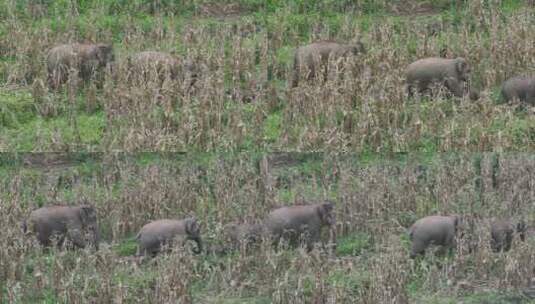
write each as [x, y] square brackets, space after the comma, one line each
[418, 248]
[494, 245]
[410, 91]
[455, 87]
[76, 237]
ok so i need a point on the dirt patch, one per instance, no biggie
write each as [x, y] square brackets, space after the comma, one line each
[414, 8]
[51, 160]
[223, 10]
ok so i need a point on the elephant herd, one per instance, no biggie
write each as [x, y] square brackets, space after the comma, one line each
[317, 58]
[78, 225]
[298, 225]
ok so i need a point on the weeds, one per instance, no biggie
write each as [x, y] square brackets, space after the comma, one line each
[241, 100]
[375, 203]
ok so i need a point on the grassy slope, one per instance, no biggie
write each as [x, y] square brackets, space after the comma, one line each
[75, 128]
[23, 129]
[122, 184]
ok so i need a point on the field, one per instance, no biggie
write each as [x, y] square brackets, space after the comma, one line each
[241, 141]
[377, 199]
[242, 101]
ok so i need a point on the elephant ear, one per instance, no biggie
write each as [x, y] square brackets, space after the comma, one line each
[105, 52]
[325, 212]
[192, 227]
[521, 229]
[456, 222]
[461, 66]
[87, 214]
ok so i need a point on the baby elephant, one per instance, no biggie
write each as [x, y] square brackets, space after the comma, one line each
[301, 223]
[452, 73]
[64, 222]
[243, 234]
[433, 230]
[158, 233]
[322, 51]
[86, 59]
[521, 88]
[163, 64]
[502, 231]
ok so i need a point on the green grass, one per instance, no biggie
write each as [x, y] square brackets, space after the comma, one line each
[353, 245]
[23, 129]
[126, 248]
[32, 135]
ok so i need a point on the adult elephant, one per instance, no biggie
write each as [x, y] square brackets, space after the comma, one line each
[314, 58]
[521, 88]
[433, 230]
[154, 235]
[502, 232]
[453, 74]
[77, 224]
[158, 66]
[84, 58]
[301, 223]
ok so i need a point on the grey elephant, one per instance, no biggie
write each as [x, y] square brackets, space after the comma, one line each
[301, 223]
[521, 88]
[502, 233]
[86, 59]
[161, 64]
[245, 234]
[433, 230]
[77, 224]
[309, 58]
[422, 74]
[154, 235]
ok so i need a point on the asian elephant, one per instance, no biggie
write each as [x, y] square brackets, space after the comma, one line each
[163, 64]
[86, 59]
[433, 230]
[521, 88]
[77, 224]
[301, 223]
[316, 55]
[159, 233]
[243, 234]
[502, 233]
[452, 73]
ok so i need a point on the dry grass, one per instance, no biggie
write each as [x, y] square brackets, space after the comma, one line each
[241, 100]
[378, 200]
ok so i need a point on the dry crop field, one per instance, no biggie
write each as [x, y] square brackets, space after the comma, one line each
[244, 52]
[376, 200]
[240, 141]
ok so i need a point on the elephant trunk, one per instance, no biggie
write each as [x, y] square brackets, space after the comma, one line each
[96, 238]
[332, 237]
[24, 226]
[199, 245]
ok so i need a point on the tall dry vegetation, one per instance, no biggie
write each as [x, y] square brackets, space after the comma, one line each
[241, 99]
[374, 202]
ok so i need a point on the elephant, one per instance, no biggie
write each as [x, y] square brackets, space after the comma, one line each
[433, 230]
[246, 234]
[70, 222]
[502, 233]
[164, 65]
[308, 57]
[452, 73]
[521, 88]
[163, 232]
[301, 223]
[86, 59]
